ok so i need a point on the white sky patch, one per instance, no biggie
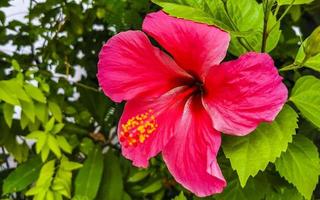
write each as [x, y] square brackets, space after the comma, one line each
[297, 30]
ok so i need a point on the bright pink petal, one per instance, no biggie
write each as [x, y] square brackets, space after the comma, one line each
[244, 92]
[191, 153]
[130, 66]
[161, 116]
[195, 47]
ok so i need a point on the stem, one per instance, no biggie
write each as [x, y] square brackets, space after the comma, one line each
[87, 87]
[276, 10]
[294, 66]
[265, 27]
[46, 73]
[282, 16]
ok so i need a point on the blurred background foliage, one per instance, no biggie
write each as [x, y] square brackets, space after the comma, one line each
[58, 130]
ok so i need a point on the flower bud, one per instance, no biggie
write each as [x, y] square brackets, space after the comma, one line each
[312, 47]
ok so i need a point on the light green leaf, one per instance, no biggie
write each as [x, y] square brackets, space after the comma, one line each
[49, 125]
[6, 96]
[8, 113]
[88, 179]
[180, 197]
[41, 112]
[54, 145]
[193, 10]
[45, 153]
[24, 121]
[63, 144]
[55, 110]
[22, 176]
[28, 109]
[57, 128]
[41, 142]
[44, 181]
[138, 176]
[312, 63]
[300, 165]
[241, 12]
[41, 138]
[253, 152]
[306, 96]
[49, 195]
[15, 65]
[112, 185]
[14, 88]
[67, 165]
[295, 2]
[35, 93]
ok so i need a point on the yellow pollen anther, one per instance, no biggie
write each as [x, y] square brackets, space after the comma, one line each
[138, 128]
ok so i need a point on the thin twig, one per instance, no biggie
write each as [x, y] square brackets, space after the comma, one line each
[282, 16]
[265, 27]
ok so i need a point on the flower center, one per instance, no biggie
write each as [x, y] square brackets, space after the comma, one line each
[138, 128]
[197, 86]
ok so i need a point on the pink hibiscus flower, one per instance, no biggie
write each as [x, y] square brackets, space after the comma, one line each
[179, 104]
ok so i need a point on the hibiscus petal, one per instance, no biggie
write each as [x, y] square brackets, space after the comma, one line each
[191, 153]
[128, 65]
[244, 92]
[195, 47]
[158, 116]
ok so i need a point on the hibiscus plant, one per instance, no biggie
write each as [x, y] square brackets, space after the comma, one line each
[161, 99]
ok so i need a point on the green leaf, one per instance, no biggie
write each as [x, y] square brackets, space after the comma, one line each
[88, 179]
[312, 63]
[41, 112]
[288, 193]
[112, 185]
[41, 138]
[54, 145]
[138, 176]
[8, 113]
[6, 96]
[55, 110]
[295, 2]
[44, 181]
[24, 121]
[57, 128]
[255, 189]
[22, 176]
[29, 110]
[300, 165]
[35, 93]
[253, 152]
[306, 96]
[19, 151]
[15, 65]
[242, 12]
[233, 16]
[45, 153]
[63, 144]
[68, 165]
[192, 10]
[86, 146]
[153, 187]
[49, 125]
[180, 197]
